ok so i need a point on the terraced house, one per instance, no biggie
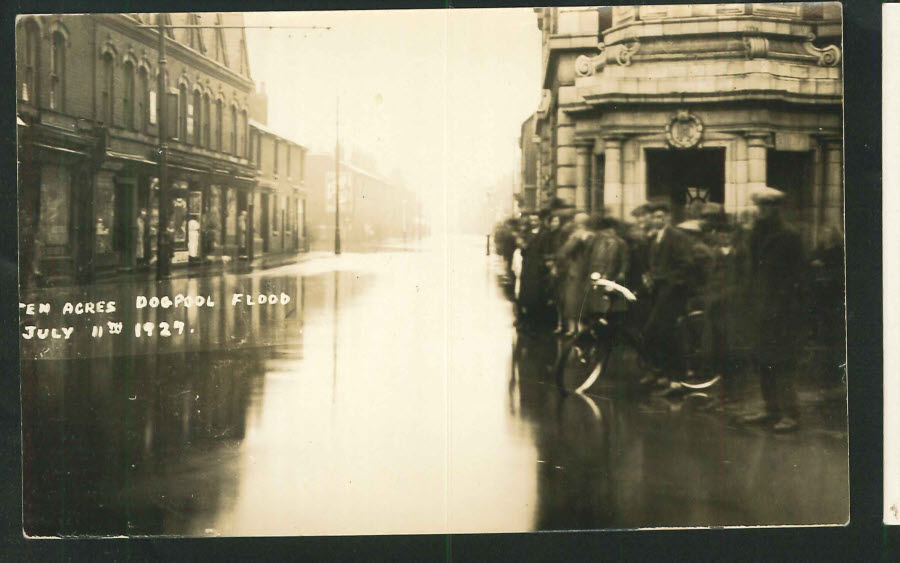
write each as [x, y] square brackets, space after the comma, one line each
[87, 101]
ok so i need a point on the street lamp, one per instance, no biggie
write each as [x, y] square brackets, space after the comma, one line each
[337, 176]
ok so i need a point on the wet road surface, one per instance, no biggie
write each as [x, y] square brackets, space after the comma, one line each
[381, 397]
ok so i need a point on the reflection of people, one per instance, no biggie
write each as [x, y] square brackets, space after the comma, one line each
[242, 233]
[194, 238]
[102, 236]
[776, 276]
[140, 239]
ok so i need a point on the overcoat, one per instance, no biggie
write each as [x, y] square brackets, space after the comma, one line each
[776, 291]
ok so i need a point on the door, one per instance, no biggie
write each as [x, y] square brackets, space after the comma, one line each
[688, 178]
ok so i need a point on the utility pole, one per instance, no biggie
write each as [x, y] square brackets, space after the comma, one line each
[163, 242]
[337, 176]
[163, 265]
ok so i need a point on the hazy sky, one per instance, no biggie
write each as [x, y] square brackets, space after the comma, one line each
[438, 95]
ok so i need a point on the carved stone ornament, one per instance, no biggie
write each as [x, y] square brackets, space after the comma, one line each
[757, 47]
[589, 66]
[623, 57]
[684, 130]
[827, 56]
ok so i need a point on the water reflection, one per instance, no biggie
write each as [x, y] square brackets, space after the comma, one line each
[391, 395]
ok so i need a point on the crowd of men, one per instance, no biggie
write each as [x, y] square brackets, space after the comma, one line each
[760, 298]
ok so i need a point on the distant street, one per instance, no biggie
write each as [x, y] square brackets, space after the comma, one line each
[381, 398]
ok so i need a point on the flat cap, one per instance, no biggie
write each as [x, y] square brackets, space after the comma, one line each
[767, 196]
[659, 205]
[639, 210]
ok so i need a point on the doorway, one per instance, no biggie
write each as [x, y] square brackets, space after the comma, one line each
[687, 178]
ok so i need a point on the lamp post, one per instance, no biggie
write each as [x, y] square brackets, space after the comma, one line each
[163, 266]
[163, 243]
[337, 176]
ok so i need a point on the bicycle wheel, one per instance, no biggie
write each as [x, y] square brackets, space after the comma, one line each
[580, 363]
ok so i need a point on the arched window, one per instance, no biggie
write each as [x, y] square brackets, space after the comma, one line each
[58, 72]
[30, 64]
[219, 118]
[143, 100]
[199, 118]
[182, 113]
[234, 126]
[206, 120]
[108, 95]
[128, 99]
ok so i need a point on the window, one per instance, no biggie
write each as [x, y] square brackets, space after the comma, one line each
[28, 90]
[58, 72]
[128, 100]
[233, 130]
[183, 113]
[206, 119]
[219, 146]
[143, 100]
[108, 84]
[275, 169]
[258, 151]
[245, 149]
[199, 118]
[287, 165]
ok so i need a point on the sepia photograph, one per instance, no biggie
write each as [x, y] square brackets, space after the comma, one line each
[335, 273]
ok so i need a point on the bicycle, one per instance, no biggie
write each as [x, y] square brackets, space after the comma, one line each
[585, 357]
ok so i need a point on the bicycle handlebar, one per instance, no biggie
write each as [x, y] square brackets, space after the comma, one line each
[597, 281]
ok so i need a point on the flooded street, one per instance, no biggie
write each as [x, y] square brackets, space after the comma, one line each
[383, 397]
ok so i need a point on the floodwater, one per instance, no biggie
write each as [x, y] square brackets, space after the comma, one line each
[380, 397]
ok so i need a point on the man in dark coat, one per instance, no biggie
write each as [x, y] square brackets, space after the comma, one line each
[775, 286]
[670, 266]
[535, 298]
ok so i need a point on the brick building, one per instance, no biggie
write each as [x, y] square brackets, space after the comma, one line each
[702, 102]
[279, 217]
[87, 105]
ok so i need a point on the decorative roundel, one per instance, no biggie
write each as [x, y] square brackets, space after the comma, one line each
[684, 131]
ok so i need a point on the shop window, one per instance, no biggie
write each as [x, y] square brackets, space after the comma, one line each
[105, 206]
[30, 66]
[55, 197]
[128, 99]
[108, 86]
[58, 72]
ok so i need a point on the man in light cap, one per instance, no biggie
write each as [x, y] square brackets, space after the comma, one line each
[775, 287]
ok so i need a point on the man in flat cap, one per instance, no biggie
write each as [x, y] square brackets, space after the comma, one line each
[670, 265]
[775, 287]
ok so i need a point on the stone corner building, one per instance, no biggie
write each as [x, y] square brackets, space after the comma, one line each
[701, 102]
[87, 102]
